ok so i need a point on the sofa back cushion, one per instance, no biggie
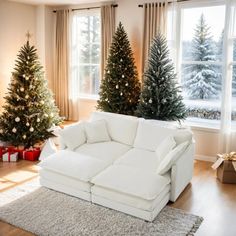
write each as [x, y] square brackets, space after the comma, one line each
[121, 128]
[150, 134]
[96, 131]
[72, 136]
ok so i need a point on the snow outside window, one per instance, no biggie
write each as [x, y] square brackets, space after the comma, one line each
[201, 61]
[85, 54]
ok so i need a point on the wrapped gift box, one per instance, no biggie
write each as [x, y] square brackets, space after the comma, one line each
[10, 156]
[226, 168]
[3, 150]
[226, 172]
[31, 154]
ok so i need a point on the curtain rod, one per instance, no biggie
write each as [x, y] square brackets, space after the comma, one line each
[140, 5]
[88, 8]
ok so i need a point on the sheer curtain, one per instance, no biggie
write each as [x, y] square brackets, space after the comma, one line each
[155, 20]
[227, 134]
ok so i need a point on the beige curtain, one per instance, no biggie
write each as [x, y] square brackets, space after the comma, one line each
[107, 30]
[61, 62]
[155, 20]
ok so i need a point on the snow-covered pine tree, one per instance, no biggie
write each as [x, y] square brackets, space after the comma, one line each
[160, 96]
[202, 81]
[120, 87]
[29, 110]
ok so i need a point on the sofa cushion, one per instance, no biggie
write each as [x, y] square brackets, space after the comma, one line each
[170, 158]
[165, 147]
[64, 180]
[121, 128]
[132, 181]
[129, 200]
[107, 151]
[139, 158]
[72, 136]
[150, 135]
[74, 165]
[96, 131]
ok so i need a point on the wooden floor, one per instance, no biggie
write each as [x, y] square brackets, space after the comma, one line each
[205, 197]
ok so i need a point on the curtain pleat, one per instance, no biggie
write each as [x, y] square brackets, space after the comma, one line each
[107, 31]
[61, 63]
[227, 133]
[155, 20]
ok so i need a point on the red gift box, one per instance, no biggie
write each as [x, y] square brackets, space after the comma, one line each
[31, 154]
[14, 149]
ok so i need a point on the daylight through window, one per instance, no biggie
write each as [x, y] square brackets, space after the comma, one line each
[85, 54]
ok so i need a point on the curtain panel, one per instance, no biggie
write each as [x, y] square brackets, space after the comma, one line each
[227, 134]
[107, 31]
[61, 62]
[155, 20]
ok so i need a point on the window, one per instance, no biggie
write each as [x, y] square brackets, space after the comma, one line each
[201, 60]
[85, 54]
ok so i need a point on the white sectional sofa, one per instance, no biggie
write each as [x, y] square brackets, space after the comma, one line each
[122, 162]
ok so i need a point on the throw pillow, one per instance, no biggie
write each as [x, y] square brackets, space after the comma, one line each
[96, 131]
[165, 147]
[73, 136]
[171, 158]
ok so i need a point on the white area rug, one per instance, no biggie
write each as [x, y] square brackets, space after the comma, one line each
[46, 212]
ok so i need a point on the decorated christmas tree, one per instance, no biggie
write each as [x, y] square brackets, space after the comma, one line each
[29, 111]
[202, 81]
[160, 96]
[120, 87]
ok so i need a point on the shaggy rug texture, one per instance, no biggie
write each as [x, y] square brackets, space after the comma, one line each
[47, 212]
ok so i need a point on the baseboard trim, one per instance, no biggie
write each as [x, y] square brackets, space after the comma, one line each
[205, 158]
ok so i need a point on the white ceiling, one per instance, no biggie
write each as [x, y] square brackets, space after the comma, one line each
[56, 2]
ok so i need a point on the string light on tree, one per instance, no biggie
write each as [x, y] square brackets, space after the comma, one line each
[120, 81]
[22, 121]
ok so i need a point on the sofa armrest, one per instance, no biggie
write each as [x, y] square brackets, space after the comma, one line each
[182, 172]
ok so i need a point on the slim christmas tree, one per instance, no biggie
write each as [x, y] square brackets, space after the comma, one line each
[120, 87]
[29, 110]
[202, 80]
[160, 96]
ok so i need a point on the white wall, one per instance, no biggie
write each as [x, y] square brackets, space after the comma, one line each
[15, 20]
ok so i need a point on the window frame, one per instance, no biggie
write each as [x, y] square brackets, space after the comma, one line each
[198, 122]
[79, 95]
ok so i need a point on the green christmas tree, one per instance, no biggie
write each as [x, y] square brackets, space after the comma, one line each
[160, 96]
[202, 81]
[120, 87]
[29, 111]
